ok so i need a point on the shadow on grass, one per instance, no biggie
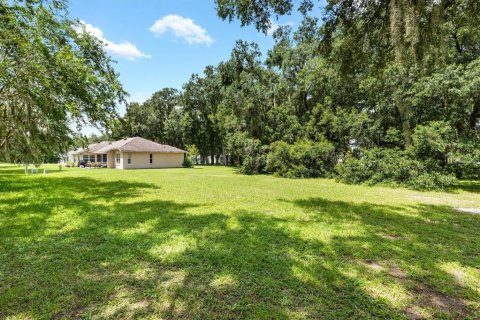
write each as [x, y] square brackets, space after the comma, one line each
[411, 245]
[82, 248]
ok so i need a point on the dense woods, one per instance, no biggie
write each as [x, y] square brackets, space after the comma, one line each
[371, 91]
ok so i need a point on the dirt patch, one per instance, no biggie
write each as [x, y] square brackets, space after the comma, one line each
[468, 210]
[370, 264]
[435, 300]
[397, 273]
[390, 236]
[416, 313]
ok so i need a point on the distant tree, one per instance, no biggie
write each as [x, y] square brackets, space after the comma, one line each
[173, 130]
[192, 151]
[148, 120]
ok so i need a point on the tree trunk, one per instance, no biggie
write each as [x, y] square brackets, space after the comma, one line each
[25, 164]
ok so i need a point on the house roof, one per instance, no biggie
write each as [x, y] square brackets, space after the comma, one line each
[97, 146]
[91, 147]
[137, 144]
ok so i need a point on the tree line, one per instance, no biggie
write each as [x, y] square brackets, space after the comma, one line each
[370, 91]
[365, 91]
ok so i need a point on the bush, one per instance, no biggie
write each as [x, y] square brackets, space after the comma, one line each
[187, 163]
[254, 157]
[432, 181]
[431, 143]
[391, 167]
[304, 159]
[465, 160]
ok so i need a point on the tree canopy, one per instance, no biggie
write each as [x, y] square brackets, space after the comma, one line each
[53, 76]
[390, 85]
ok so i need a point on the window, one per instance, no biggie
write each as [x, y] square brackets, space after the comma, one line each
[129, 158]
[99, 158]
[151, 158]
[117, 158]
[89, 157]
[104, 158]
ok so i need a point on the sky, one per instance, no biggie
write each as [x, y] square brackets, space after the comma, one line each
[161, 43]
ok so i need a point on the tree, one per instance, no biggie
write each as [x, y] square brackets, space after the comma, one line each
[390, 83]
[53, 75]
[192, 151]
[148, 119]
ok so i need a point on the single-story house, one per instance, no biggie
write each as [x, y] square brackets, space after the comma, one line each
[88, 154]
[130, 153]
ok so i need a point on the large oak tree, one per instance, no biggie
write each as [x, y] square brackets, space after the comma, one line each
[54, 76]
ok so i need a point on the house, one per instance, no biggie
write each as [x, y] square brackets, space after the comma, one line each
[130, 153]
[88, 154]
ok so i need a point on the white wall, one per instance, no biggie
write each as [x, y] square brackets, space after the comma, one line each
[141, 160]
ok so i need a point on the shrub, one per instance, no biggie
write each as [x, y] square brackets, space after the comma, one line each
[187, 163]
[431, 144]
[304, 159]
[432, 181]
[465, 160]
[377, 166]
[391, 167]
[254, 157]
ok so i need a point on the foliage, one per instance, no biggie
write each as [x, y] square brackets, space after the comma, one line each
[254, 157]
[391, 167]
[304, 159]
[53, 75]
[397, 76]
[192, 152]
[187, 163]
[433, 181]
[465, 160]
[432, 142]
[157, 119]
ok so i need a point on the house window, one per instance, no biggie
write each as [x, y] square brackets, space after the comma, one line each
[99, 158]
[89, 157]
[151, 158]
[117, 158]
[129, 158]
[104, 158]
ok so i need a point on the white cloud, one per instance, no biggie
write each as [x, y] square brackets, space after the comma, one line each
[183, 28]
[124, 49]
[274, 26]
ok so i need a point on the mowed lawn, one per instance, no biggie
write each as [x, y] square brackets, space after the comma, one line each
[207, 243]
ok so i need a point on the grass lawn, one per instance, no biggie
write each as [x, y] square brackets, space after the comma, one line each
[206, 243]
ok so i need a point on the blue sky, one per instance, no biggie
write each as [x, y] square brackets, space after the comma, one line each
[161, 43]
[187, 37]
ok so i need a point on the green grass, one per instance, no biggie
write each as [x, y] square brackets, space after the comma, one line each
[207, 243]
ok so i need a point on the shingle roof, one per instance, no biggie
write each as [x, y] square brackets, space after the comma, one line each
[138, 144]
[91, 148]
[97, 146]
